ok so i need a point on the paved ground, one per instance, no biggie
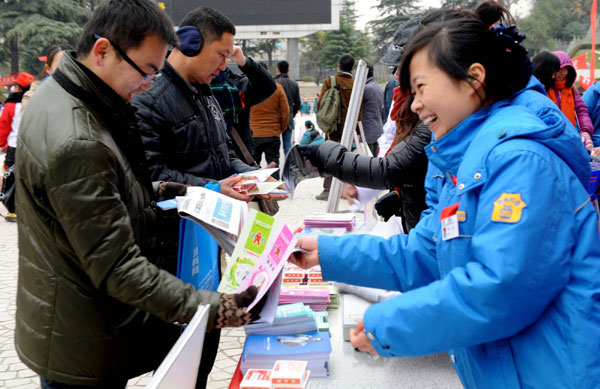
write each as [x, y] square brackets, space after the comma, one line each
[14, 374]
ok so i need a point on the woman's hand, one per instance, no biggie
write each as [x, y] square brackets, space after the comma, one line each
[350, 193]
[360, 340]
[303, 260]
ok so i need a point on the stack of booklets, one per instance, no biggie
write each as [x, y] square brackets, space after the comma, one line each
[293, 275]
[317, 298]
[289, 319]
[262, 351]
[330, 220]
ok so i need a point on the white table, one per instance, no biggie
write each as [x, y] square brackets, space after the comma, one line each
[354, 370]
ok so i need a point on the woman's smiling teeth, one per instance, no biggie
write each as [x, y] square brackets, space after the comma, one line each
[429, 119]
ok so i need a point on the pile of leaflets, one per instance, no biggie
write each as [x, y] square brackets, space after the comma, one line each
[317, 298]
[285, 374]
[289, 319]
[330, 220]
[308, 286]
[262, 351]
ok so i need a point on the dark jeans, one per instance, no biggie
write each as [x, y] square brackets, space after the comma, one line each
[286, 137]
[209, 353]
[373, 147]
[47, 384]
[269, 146]
[9, 158]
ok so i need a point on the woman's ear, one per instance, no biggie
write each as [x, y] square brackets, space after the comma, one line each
[477, 74]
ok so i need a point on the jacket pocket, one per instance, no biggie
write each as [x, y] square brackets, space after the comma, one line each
[507, 374]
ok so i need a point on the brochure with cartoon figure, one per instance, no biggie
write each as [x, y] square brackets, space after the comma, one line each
[259, 255]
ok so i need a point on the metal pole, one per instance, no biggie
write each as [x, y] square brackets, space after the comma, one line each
[349, 127]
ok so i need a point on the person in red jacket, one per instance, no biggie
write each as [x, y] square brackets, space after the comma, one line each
[9, 125]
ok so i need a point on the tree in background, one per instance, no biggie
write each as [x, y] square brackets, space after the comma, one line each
[27, 28]
[261, 46]
[392, 13]
[311, 57]
[347, 39]
[552, 22]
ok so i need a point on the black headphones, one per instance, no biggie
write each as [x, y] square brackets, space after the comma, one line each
[190, 41]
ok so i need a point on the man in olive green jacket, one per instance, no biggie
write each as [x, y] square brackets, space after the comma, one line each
[92, 307]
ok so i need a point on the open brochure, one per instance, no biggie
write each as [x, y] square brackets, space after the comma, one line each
[222, 216]
[258, 257]
[255, 183]
[295, 169]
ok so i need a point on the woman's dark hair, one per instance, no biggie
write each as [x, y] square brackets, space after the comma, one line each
[309, 124]
[454, 45]
[126, 23]
[55, 49]
[545, 64]
[211, 23]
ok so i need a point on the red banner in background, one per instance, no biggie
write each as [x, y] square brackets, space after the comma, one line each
[8, 80]
[593, 23]
[580, 62]
[585, 82]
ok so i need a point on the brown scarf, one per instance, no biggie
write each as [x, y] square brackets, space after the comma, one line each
[567, 101]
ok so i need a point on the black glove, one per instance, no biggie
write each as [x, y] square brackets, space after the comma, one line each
[310, 152]
[232, 309]
[169, 190]
[389, 205]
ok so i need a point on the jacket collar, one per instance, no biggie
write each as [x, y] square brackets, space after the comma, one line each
[344, 74]
[282, 75]
[91, 88]
[447, 153]
[118, 115]
[170, 74]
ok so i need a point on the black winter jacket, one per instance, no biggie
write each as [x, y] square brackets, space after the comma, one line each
[404, 167]
[184, 132]
[292, 92]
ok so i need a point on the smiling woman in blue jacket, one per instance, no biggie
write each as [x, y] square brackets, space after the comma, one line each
[504, 272]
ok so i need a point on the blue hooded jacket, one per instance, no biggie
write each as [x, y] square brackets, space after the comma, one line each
[515, 297]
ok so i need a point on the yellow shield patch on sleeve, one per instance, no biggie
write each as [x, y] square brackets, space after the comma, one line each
[508, 208]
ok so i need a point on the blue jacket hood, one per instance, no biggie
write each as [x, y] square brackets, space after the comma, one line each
[547, 128]
[550, 131]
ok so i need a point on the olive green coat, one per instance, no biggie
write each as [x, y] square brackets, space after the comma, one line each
[88, 294]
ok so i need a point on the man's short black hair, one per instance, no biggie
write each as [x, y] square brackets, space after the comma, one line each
[283, 67]
[126, 23]
[346, 62]
[369, 70]
[211, 23]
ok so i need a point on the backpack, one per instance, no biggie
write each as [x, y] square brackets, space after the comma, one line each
[329, 114]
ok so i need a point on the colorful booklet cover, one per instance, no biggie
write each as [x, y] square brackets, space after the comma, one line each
[258, 257]
[250, 246]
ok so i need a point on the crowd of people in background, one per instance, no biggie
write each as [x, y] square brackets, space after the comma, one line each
[484, 151]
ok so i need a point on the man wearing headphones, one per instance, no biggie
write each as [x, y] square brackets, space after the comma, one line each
[181, 123]
[182, 126]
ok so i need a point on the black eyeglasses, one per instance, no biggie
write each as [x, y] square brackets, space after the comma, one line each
[147, 77]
